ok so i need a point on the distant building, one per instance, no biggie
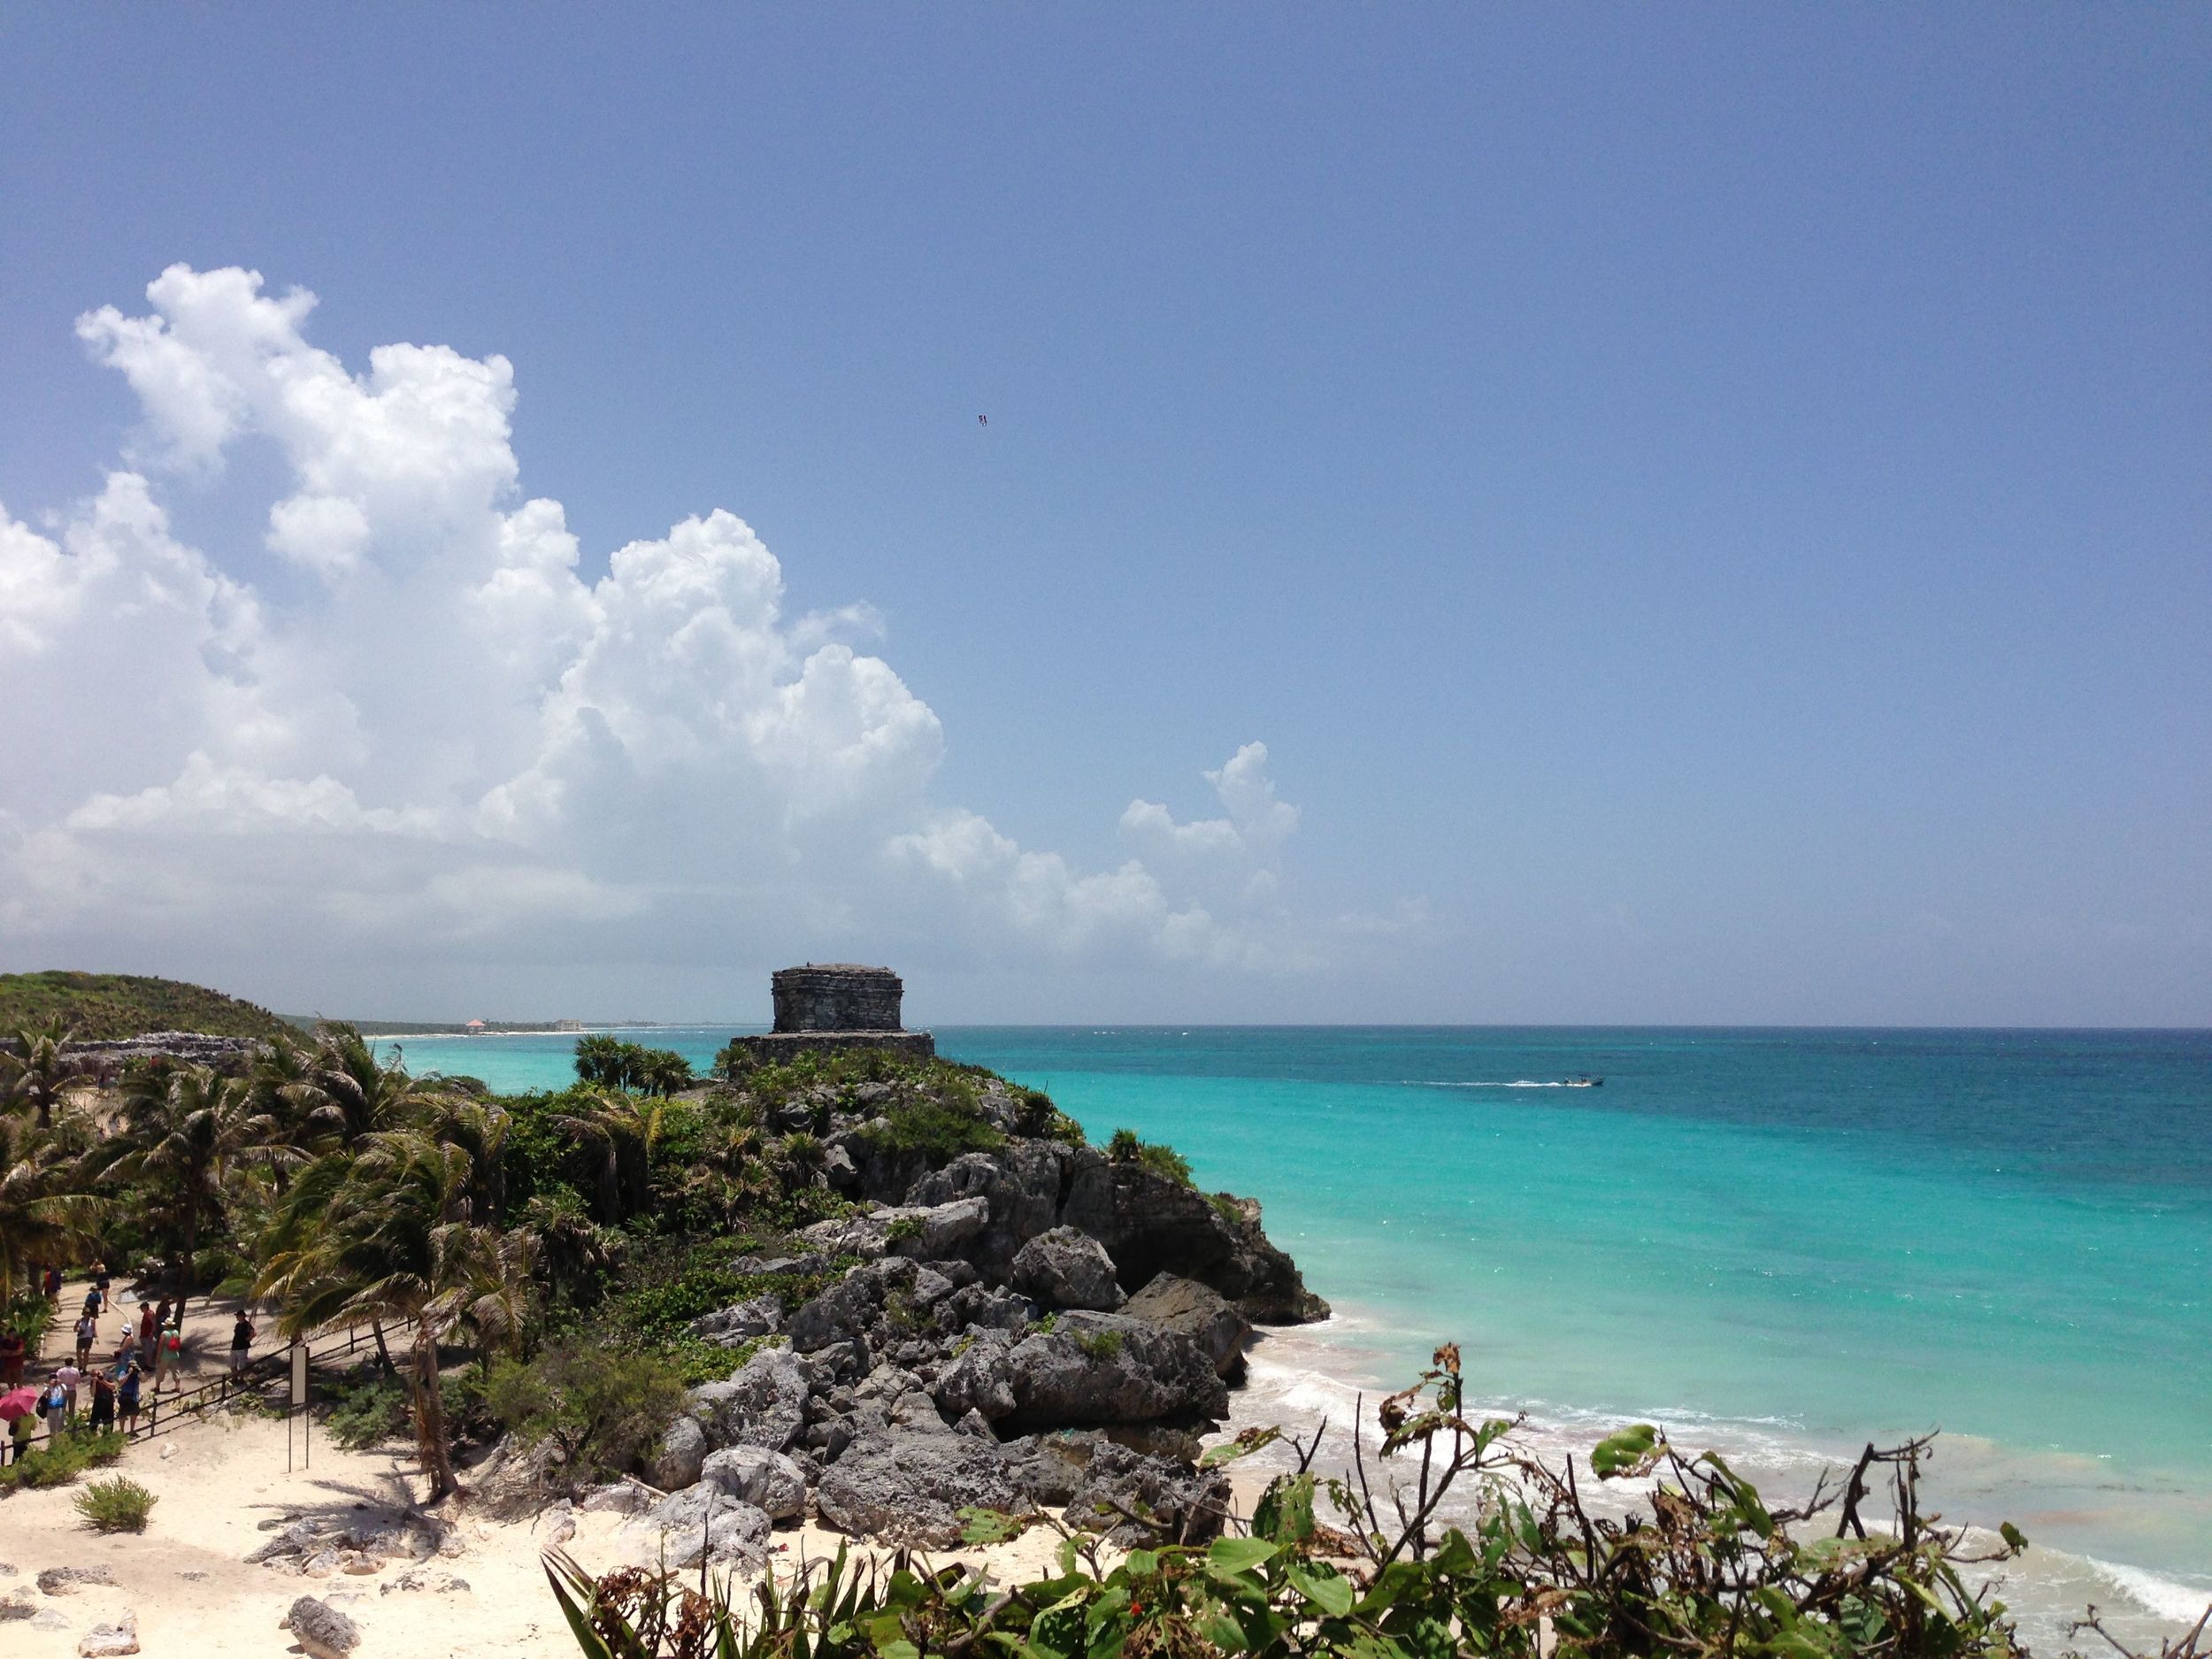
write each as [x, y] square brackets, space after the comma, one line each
[475, 1028]
[837, 1005]
[568, 1024]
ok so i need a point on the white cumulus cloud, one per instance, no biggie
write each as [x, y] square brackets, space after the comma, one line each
[445, 733]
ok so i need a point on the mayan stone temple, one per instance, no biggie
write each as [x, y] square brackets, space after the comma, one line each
[837, 1005]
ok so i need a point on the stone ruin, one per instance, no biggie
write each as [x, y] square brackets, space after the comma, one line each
[837, 1005]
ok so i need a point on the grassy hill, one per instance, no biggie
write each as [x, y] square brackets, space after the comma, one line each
[107, 1005]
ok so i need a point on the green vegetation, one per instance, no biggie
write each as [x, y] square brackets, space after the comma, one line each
[603, 1412]
[1707, 1569]
[101, 1007]
[1164, 1161]
[610, 1062]
[535, 1260]
[1099, 1344]
[118, 1504]
[58, 1462]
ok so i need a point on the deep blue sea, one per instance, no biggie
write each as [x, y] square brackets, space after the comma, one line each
[1778, 1243]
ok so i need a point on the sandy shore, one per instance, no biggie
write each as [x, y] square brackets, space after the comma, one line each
[187, 1580]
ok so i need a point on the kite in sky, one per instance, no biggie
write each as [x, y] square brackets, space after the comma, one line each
[983, 420]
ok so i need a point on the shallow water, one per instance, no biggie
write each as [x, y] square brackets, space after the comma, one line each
[1780, 1243]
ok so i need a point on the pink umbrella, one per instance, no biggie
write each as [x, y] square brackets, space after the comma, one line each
[18, 1403]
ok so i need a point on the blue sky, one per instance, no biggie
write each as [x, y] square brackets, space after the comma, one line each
[1706, 509]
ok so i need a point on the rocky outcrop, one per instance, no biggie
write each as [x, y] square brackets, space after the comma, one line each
[1034, 1324]
[1148, 1223]
[908, 1485]
[740, 1323]
[928, 1232]
[1136, 1500]
[769, 1481]
[1105, 1367]
[1063, 1267]
[1199, 1312]
[705, 1524]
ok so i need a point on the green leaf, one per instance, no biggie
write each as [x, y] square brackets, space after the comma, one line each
[987, 1526]
[900, 1649]
[1233, 1555]
[1324, 1586]
[587, 1637]
[1621, 1453]
[1215, 1624]
[1285, 1512]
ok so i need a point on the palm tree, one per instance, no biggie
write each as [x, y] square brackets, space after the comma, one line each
[573, 1247]
[43, 1217]
[183, 1129]
[352, 1096]
[623, 1132]
[389, 1236]
[666, 1072]
[40, 1071]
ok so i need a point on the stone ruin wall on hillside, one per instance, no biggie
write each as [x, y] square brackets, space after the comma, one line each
[837, 996]
[837, 1005]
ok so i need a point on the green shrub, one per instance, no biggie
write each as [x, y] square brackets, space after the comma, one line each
[1164, 1161]
[604, 1411]
[941, 1129]
[118, 1504]
[367, 1409]
[56, 1463]
[1099, 1344]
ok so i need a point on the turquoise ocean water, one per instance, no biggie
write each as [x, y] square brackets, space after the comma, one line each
[1779, 1243]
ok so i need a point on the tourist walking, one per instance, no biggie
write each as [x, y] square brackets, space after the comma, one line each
[103, 1402]
[54, 1406]
[127, 1350]
[70, 1377]
[53, 1284]
[240, 1343]
[170, 1358]
[88, 1333]
[148, 1324]
[12, 1354]
[19, 1432]
[126, 1396]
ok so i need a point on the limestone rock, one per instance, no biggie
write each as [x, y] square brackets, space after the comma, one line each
[64, 1580]
[740, 1322]
[908, 1485]
[417, 1580]
[979, 1378]
[767, 1403]
[104, 1641]
[927, 1233]
[1199, 1312]
[705, 1524]
[1185, 1505]
[683, 1449]
[1065, 1268]
[620, 1497]
[1094, 1368]
[767, 1480]
[322, 1630]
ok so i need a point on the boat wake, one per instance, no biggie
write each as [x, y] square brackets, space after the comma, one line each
[1415, 1082]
